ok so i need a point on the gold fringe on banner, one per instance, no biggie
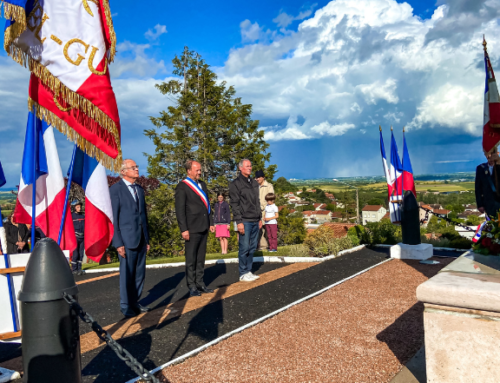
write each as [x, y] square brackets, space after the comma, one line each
[111, 29]
[17, 14]
[108, 162]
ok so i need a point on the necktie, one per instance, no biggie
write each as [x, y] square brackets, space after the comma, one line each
[136, 195]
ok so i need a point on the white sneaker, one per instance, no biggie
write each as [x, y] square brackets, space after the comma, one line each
[247, 278]
[255, 277]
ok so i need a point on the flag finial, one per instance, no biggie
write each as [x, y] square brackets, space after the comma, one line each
[484, 44]
[403, 129]
[379, 128]
[391, 128]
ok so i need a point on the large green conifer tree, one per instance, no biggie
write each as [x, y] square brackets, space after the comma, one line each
[209, 124]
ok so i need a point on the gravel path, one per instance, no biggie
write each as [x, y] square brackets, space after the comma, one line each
[363, 330]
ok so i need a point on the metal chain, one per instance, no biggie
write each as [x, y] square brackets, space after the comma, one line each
[442, 216]
[123, 354]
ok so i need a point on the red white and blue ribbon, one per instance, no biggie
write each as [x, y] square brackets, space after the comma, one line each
[194, 187]
[479, 231]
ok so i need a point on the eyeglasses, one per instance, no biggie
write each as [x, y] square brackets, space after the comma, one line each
[133, 167]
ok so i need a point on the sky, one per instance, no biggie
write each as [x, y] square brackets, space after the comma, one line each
[321, 76]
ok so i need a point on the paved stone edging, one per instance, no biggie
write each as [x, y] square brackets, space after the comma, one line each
[264, 259]
[182, 358]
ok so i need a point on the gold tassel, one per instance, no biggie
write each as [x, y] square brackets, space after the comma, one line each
[111, 29]
[17, 14]
[108, 162]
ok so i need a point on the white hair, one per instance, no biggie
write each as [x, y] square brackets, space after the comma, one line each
[124, 166]
[240, 165]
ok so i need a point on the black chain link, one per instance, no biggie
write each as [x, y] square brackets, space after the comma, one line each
[442, 216]
[123, 354]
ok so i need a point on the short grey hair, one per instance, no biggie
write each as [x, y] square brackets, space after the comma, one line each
[124, 166]
[189, 164]
[240, 164]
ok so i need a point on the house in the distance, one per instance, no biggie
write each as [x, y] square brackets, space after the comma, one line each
[319, 206]
[330, 196]
[373, 213]
[313, 216]
[339, 229]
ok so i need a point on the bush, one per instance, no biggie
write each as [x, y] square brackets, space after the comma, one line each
[461, 243]
[332, 247]
[322, 242]
[291, 229]
[299, 251]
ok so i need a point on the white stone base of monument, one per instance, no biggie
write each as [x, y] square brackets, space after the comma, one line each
[420, 252]
[8, 375]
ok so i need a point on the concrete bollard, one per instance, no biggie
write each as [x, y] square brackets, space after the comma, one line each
[50, 330]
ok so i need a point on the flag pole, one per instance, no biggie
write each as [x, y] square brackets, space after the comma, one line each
[403, 173]
[395, 183]
[68, 188]
[33, 197]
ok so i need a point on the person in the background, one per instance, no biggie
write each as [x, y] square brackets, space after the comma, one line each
[271, 215]
[17, 236]
[487, 193]
[131, 237]
[244, 197]
[222, 220]
[79, 225]
[264, 189]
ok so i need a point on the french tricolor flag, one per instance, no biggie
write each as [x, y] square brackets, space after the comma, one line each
[50, 191]
[491, 121]
[91, 176]
[408, 181]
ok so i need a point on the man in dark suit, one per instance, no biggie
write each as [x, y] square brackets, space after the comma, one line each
[131, 237]
[192, 209]
[486, 189]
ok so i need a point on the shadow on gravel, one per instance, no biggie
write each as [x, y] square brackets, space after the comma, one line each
[405, 336]
[107, 367]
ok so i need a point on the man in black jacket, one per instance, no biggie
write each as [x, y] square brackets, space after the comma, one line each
[131, 237]
[486, 193]
[192, 209]
[79, 225]
[244, 195]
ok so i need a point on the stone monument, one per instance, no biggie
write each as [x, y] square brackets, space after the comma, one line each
[411, 247]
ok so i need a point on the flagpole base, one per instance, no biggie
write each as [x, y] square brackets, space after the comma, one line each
[419, 252]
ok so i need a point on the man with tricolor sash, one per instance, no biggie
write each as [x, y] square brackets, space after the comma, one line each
[192, 208]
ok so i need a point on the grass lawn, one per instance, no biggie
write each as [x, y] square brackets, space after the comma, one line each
[442, 187]
[282, 252]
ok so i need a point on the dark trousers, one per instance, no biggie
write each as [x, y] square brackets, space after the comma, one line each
[247, 246]
[132, 274]
[196, 250]
[76, 260]
[272, 236]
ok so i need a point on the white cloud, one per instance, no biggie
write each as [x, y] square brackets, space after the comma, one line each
[365, 63]
[140, 65]
[158, 31]
[284, 19]
[380, 91]
[452, 106]
[325, 129]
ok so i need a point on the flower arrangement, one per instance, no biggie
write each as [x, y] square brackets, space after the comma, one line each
[489, 242]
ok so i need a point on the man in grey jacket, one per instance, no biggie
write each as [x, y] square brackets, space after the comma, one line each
[244, 195]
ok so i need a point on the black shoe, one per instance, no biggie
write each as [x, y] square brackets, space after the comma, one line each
[194, 292]
[142, 309]
[83, 272]
[205, 289]
[129, 314]
[75, 272]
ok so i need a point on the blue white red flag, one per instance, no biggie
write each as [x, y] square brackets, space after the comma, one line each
[2, 176]
[91, 176]
[384, 161]
[194, 187]
[408, 181]
[479, 230]
[68, 46]
[50, 191]
[396, 188]
[491, 120]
